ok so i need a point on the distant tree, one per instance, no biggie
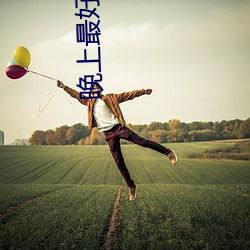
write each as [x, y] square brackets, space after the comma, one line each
[96, 137]
[175, 133]
[86, 141]
[227, 130]
[202, 135]
[245, 129]
[38, 138]
[217, 129]
[185, 130]
[157, 126]
[82, 131]
[50, 137]
[76, 133]
[82, 142]
[196, 126]
[60, 134]
[145, 133]
[70, 136]
[159, 135]
[140, 128]
[175, 124]
[236, 128]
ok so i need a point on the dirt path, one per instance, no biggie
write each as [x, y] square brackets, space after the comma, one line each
[111, 235]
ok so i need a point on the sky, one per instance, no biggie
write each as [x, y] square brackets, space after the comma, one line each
[194, 54]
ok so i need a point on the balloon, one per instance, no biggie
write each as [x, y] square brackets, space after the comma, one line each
[22, 56]
[11, 62]
[15, 71]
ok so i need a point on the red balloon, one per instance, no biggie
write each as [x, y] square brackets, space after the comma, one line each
[15, 71]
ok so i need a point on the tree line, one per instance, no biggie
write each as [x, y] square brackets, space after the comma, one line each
[172, 131]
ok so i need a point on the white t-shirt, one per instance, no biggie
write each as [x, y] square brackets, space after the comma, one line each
[105, 119]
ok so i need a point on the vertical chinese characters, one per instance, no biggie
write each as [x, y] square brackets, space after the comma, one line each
[88, 32]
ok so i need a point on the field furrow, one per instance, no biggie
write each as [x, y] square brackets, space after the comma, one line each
[186, 217]
[66, 218]
[112, 234]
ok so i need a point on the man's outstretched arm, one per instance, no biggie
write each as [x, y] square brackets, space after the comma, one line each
[132, 94]
[72, 92]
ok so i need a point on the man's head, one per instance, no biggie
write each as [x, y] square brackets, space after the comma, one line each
[97, 89]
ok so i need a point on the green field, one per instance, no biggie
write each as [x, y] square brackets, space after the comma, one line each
[62, 197]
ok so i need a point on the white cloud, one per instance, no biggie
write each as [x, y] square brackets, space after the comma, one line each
[121, 33]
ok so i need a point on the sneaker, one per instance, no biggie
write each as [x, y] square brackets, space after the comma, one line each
[172, 157]
[132, 193]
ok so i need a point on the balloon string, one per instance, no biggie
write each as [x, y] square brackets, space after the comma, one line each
[31, 71]
[71, 103]
[50, 96]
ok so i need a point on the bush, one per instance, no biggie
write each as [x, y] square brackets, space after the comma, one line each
[240, 151]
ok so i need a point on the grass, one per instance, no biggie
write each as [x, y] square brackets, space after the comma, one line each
[240, 150]
[187, 217]
[65, 218]
[61, 197]
[57, 165]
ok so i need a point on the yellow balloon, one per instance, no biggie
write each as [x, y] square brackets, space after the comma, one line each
[22, 56]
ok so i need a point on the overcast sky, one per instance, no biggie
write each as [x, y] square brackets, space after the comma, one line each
[194, 54]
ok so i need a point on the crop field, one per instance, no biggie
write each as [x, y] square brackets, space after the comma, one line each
[73, 197]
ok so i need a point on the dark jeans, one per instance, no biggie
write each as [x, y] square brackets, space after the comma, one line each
[113, 137]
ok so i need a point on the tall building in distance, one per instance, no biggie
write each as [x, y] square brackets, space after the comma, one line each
[1, 138]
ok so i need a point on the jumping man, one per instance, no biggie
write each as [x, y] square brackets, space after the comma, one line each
[105, 114]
